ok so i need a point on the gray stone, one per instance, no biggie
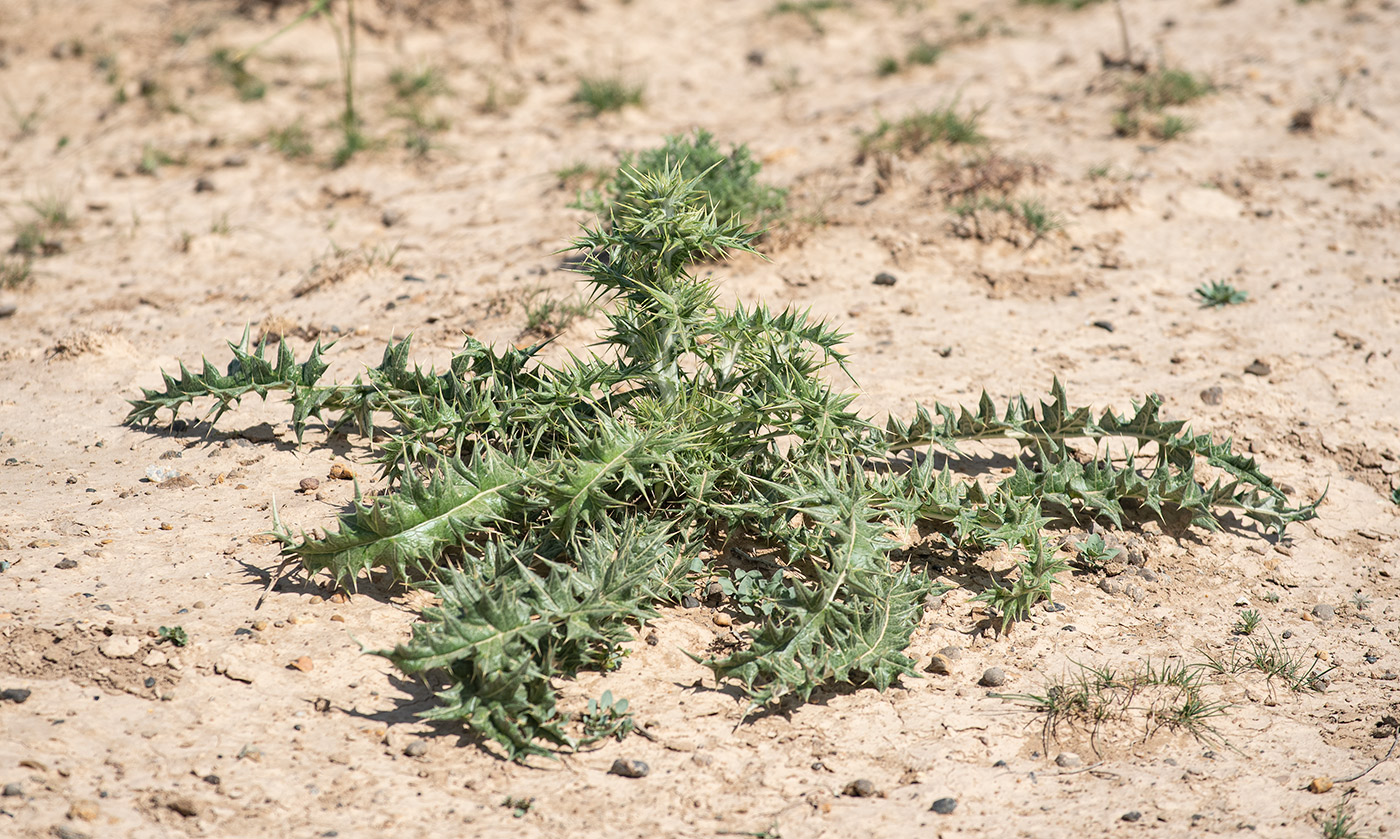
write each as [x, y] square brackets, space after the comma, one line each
[1068, 760]
[1324, 612]
[629, 768]
[993, 677]
[944, 806]
[417, 748]
[861, 788]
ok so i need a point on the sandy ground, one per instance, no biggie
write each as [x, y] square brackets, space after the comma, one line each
[1287, 186]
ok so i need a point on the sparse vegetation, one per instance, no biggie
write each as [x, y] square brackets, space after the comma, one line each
[1151, 94]
[1166, 695]
[1341, 823]
[808, 10]
[233, 69]
[601, 94]
[1274, 660]
[1068, 4]
[550, 508]
[547, 316]
[916, 132]
[292, 142]
[1218, 294]
[922, 53]
[1021, 222]
[1170, 126]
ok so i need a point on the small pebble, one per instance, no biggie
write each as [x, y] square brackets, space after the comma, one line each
[200, 604]
[309, 484]
[689, 602]
[1259, 368]
[861, 788]
[12, 789]
[951, 653]
[391, 217]
[338, 618]
[417, 748]
[721, 619]
[1324, 612]
[1132, 816]
[1287, 633]
[993, 677]
[15, 695]
[629, 768]
[1105, 325]
[1068, 760]
[211, 780]
[304, 664]
[203, 185]
[1212, 395]
[944, 806]
[85, 810]
[885, 278]
[1108, 586]
[1320, 785]
[63, 831]
[65, 564]
[341, 473]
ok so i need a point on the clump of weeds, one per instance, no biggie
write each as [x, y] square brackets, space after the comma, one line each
[1148, 96]
[551, 509]
[912, 134]
[1148, 696]
[603, 94]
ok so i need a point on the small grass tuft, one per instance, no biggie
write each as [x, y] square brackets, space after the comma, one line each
[1275, 661]
[292, 142]
[1170, 126]
[601, 94]
[916, 132]
[1248, 622]
[423, 83]
[1341, 823]
[15, 271]
[233, 69]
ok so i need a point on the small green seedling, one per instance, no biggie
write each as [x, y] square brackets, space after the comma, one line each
[1094, 553]
[521, 806]
[1218, 294]
[1248, 622]
[174, 634]
[606, 718]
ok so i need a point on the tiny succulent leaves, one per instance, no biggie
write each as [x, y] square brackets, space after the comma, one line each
[1218, 293]
[552, 509]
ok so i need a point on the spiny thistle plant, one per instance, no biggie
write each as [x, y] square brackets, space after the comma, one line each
[551, 509]
[728, 181]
